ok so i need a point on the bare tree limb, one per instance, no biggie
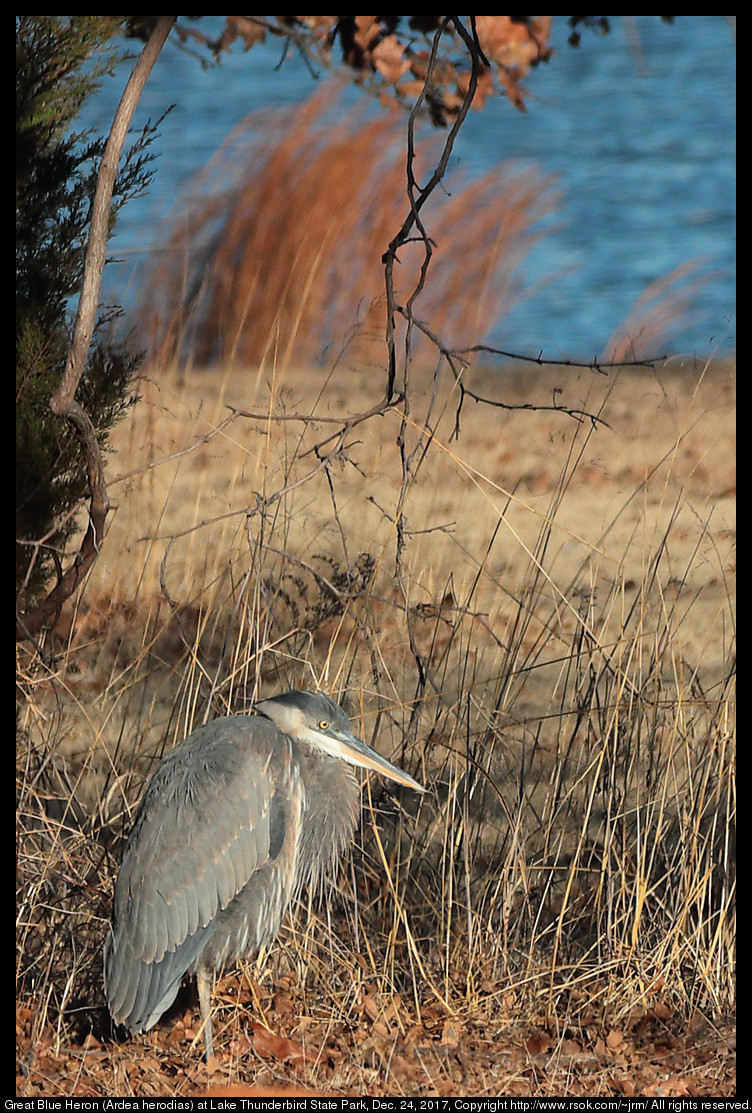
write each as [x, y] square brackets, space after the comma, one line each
[63, 401]
[416, 203]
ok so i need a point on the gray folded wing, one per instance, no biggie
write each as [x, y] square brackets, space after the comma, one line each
[220, 816]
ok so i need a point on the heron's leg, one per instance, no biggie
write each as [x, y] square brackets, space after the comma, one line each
[204, 985]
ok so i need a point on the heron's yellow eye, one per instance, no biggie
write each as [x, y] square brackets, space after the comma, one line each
[323, 725]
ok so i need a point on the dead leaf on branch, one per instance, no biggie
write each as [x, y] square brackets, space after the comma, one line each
[483, 89]
[241, 27]
[389, 60]
[514, 42]
[368, 30]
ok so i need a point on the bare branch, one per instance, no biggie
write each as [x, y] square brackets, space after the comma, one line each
[412, 219]
[347, 423]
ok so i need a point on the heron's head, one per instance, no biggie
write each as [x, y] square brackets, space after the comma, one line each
[314, 718]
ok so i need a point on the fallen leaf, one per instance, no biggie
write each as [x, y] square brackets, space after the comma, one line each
[451, 1033]
[539, 1042]
[266, 1043]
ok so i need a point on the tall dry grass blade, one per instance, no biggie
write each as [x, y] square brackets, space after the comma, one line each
[660, 312]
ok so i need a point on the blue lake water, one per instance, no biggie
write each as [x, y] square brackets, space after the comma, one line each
[639, 127]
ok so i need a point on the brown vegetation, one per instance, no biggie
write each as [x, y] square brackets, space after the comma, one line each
[303, 202]
[394, 55]
[539, 624]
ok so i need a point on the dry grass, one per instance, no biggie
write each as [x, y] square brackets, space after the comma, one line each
[302, 203]
[536, 619]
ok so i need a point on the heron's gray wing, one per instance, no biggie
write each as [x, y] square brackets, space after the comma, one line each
[222, 807]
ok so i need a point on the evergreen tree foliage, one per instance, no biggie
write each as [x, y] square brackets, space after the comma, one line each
[60, 61]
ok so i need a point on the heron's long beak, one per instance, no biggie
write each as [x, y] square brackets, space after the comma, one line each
[351, 749]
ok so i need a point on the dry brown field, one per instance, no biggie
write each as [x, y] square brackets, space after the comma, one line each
[528, 605]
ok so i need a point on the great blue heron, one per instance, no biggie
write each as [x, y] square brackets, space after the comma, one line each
[236, 819]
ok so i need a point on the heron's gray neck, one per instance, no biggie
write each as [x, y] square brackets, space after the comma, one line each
[332, 809]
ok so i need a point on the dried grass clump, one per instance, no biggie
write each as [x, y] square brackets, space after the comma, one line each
[62, 898]
[555, 663]
[288, 255]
